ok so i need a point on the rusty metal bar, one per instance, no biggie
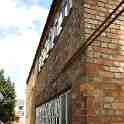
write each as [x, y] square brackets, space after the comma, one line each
[107, 22]
[110, 15]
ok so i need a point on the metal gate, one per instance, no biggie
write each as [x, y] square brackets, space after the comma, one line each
[56, 111]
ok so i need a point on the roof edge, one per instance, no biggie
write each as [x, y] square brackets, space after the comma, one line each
[42, 37]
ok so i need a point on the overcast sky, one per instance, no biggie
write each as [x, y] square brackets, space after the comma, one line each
[21, 24]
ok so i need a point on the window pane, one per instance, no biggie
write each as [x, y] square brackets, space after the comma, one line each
[66, 10]
[70, 3]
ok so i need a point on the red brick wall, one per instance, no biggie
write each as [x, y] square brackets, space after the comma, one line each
[104, 88]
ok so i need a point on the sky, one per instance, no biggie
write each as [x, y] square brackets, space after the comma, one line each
[21, 26]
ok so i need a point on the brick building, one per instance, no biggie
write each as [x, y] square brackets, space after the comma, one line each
[20, 111]
[77, 76]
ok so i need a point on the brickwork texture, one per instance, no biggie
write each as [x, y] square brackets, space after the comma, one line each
[95, 75]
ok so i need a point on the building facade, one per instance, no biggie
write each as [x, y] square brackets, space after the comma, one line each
[77, 76]
[20, 111]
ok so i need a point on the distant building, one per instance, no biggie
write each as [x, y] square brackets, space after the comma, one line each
[77, 76]
[20, 111]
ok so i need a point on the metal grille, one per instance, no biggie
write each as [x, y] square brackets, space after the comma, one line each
[57, 111]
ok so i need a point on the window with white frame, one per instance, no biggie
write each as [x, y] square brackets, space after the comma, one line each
[44, 55]
[69, 4]
[40, 63]
[59, 22]
[51, 38]
[54, 31]
[64, 8]
[64, 12]
[56, 111]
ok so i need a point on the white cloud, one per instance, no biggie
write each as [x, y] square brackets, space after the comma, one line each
[17, 50]
[22, 16]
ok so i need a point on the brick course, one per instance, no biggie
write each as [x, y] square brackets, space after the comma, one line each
[107, 58]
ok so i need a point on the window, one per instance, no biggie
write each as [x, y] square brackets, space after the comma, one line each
[59, 28]
[66, 6]
[57, 111]
[69, 4]
[21, 107]
[40, 63]
[51, 38]
[55, 31]
[46, 46]
[42, 58]
[64, 9]
[64, 12]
